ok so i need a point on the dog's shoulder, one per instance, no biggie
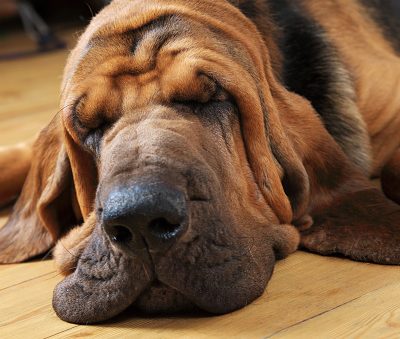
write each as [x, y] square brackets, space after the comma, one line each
[311, 66]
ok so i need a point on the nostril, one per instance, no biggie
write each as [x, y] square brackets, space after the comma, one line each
[145, 216]
[120, 234]
[163, 229]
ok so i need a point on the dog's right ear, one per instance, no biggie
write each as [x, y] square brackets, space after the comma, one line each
[47, 206]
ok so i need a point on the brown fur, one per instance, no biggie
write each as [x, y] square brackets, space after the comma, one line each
[206, 112]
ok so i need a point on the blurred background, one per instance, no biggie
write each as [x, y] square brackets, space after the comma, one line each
[35, 39]
[41, 22]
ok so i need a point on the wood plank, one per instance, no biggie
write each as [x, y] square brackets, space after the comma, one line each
[374, 315]
[11, 275]
[26, 312]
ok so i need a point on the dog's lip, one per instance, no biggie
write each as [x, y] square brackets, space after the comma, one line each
[196, 198]
[79, 300]
[162, 298]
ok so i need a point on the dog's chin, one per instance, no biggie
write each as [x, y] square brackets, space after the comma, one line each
[162, 299]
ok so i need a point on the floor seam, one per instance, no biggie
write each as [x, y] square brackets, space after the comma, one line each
[22, 282]
[66, 330]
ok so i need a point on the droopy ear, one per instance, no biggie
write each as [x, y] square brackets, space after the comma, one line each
[276, 166]
[277, 169]
[293, 175]
[45, 208]
[349, 216]
[84, 172]
[273, 159]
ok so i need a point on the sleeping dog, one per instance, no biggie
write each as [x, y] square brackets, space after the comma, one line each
[199, 141]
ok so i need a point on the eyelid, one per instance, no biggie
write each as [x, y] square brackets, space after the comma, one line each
[77, 125]
[77, 121]
[76, 108]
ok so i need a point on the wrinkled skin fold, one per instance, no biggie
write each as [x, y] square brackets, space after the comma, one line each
[103, 284]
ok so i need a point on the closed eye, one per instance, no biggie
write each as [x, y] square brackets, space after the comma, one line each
[212, 94]
[90, 136]
[220, 101]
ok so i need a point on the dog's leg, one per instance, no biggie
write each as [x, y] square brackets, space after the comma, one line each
[15, 162]
[390, 178]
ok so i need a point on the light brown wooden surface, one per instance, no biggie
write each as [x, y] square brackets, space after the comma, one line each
[309, 296]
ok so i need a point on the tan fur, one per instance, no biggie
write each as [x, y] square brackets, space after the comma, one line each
[107, 88]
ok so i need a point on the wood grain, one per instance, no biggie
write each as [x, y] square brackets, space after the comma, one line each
[309, 296]
[356, 319]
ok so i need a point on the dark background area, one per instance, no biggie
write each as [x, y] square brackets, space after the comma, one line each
[54, 12]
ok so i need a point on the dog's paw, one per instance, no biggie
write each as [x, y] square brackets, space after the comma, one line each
[364, 226]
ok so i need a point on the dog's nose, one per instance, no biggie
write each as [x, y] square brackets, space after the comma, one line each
[154, 213]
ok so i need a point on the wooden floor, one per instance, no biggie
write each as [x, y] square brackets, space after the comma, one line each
[309, 296]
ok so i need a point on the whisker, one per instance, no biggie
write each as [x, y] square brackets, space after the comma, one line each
[90, 9]
[72, 255]
[47, 255]
[61, 109]
[146, 272]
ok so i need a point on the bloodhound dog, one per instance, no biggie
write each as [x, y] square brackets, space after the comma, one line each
[199, 141]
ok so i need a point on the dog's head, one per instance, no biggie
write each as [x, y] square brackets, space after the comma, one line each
[170, 150]
[166, 104]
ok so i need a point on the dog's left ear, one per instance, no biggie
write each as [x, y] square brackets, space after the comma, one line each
[277, 168]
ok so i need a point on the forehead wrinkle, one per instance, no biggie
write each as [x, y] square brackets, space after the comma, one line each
[156, 9]
[147, 40]
[151, 44]
[103, 34]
